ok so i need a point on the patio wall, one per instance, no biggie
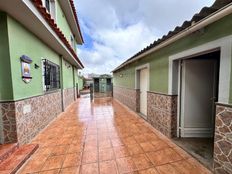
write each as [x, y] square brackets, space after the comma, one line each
[223, 139]
[24, 119]
[129, 97]
[68, 96]
[162, 113]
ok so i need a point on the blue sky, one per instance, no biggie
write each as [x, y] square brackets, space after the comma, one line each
[115, 30]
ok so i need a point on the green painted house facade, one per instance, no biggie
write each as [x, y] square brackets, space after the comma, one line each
[183, 77]
[102, 83]
[42, 35]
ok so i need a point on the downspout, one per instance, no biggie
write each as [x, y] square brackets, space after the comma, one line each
[74, 83]
[61, 83]
[201, 24]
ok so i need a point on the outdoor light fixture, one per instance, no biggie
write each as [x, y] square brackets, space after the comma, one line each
[36, 66]
[121, 75]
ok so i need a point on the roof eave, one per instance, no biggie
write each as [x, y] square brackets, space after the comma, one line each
[70, 13]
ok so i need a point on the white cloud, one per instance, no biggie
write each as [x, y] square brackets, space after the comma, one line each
[120, 28]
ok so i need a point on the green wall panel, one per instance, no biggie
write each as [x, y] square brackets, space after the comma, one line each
[62, 22]
[125, 78]
[22, 42]
[67, 75]
[80, 83]
[159, 60]
[6, 89]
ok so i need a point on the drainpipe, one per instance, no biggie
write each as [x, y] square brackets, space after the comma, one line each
[195, 27]
[61, 83]
[74, 84]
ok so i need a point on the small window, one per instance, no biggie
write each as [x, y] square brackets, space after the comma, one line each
[51, 73]
[47, 5]
[72, 41]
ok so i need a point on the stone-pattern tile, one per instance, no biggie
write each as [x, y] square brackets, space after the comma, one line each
[105, 137]
[22, 127]
[162, 113]
[43, 110]
[223, 140]
[7, 123]
[129, 97]
[68, 95]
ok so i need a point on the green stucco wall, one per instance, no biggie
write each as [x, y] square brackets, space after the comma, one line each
[125, 78]
[62, 22]
[22, 42]
[6, 92]
[159, 60]
[67, 75]
[80, 83]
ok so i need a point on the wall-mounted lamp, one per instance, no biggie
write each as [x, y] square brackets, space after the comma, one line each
[121, 75]
[36, 66]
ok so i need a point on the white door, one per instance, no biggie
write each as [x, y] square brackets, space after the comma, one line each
[143, 91]
[199, 78]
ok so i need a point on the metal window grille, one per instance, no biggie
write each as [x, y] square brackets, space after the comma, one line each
[51, 75]
[47, 4]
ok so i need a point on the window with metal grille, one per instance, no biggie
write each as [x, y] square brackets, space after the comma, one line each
[51, 73]
[47, 5]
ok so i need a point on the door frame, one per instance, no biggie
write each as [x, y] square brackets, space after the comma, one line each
[224, 45]
[200, 131]
[137, 78]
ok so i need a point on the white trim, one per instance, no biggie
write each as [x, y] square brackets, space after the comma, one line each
[225, 45]
[179, 97]
[137, 75]
[196, 132]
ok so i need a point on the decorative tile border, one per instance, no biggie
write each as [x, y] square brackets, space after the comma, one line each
[223, 140]
[129, 97]
[162, 113]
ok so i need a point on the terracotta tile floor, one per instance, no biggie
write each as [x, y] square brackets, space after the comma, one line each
[105, 137]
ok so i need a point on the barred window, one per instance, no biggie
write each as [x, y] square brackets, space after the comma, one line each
[47, 5]
[51, 73]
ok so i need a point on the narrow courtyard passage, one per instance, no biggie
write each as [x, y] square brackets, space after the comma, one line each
[105, 137]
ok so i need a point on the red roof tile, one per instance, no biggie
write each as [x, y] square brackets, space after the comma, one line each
[39, 5]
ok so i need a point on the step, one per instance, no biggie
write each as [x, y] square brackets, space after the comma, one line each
[13, 163]
[6, 150]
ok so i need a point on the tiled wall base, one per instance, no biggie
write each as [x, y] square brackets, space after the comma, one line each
[129, 97]
[29, 116]
[162, 113]
[7, 123]
[68, 95]
[223, 140]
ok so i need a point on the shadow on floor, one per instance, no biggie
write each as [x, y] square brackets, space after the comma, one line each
[199, 148]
